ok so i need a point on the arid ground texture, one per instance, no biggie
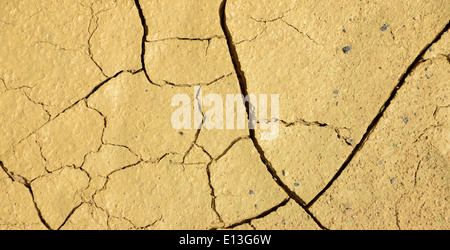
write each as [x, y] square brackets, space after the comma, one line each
[86, 139]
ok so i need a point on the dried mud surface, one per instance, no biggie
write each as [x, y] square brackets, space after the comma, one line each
[86, 140]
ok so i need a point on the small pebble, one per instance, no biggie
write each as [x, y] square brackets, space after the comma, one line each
[251, 192]
[345, 31]
[393, 180]
[347, 49]
[181, 133]
[406, 120]
[336, 92]
[296, 184]
[285, 173]
[427, 77]
[385, 27]
[380, 162]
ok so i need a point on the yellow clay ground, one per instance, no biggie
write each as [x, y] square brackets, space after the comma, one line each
[86, 140]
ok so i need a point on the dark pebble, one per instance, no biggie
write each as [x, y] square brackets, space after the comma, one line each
[385, 27]
[346, 49]
[393, 180]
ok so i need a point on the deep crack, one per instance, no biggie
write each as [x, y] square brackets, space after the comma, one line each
[259, 216]
[418, 60]
[243, 86]
[144, 39]
[22, 180]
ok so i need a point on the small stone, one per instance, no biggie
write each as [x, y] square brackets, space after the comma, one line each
[296, 184]
[393, 180]
[251, 192]
[385, 27]
[285, 173]
[380, 162]
[336, 92]
[347, 49]
[406, 120]
[345, 31]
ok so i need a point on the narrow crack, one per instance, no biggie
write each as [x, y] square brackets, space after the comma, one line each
[93, 91]
[300, 32]
[22, 180]
[144, 39]
[52, 44]
[138, 162]
[253, 38]
[262, 20]
[125, 147]
[197, 84]
[41, 217]
[207, 39]
[259, 216]
[41, 153]
[243, 86]
[212, 193]
[208, 166]
[208, 172]
[417, 171]
[27, 96]
[230, 146]
[149, 225]
[204, 151]
[337, 130]
[10, 176]
[94, 19]
[194, 143]
[102, 140]
[417, 61]
[70, 215]
[38, 103]
[4, 84]
[397, 214]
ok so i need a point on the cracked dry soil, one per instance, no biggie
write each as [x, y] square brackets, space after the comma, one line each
[86, 140]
